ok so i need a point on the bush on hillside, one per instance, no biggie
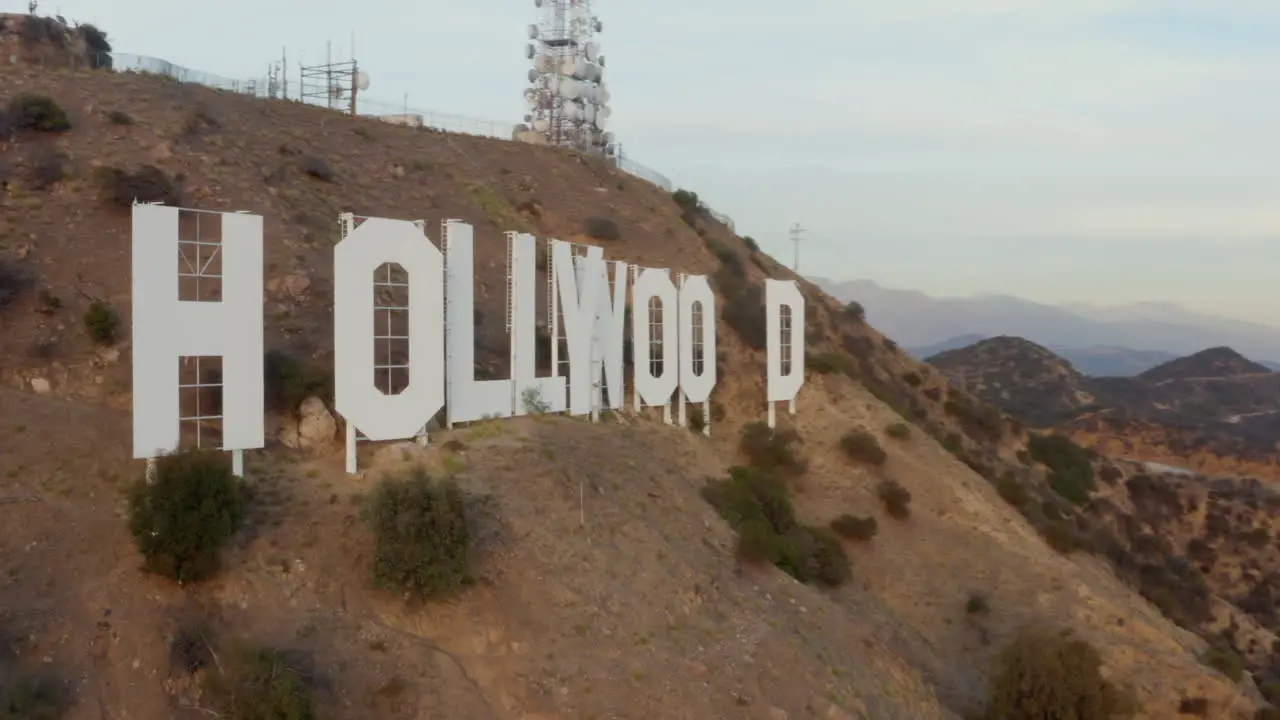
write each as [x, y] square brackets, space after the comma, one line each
[288, 381]
[855, 528]
[29, 111]
[257, 682]
[981, 422]
[896, 499]
[47, 167]
[30, 697]
[898, 431]
[755, 504]
[687, 200]
[1042, 674]
[750, 243]
[182, 521]
[855, 310]
[101, 322]
[829, 362]
[601, 228]
[1070, 466]
[861, 446]
[773, 450]
[422, 542]
[147, 184]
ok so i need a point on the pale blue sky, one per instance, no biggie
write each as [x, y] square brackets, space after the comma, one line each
[1087, 150]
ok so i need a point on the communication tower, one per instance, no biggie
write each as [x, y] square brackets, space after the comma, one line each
[567, 99]
[333, 84]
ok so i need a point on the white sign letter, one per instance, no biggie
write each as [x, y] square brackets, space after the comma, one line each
[166, 328]
[611, 318]
[375, 242]
[784, 322]
[578, 307]
[469, 399]
[654, 389]
[697, 344]
[523, 266]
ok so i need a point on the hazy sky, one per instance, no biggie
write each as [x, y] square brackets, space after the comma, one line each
[1087, 150]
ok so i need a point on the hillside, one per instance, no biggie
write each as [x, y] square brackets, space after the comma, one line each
[607, 586]
[1214, 411]
[1219, 362]
[1023, 379]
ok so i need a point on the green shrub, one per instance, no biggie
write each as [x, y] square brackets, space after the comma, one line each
[1043, 675]
[288, 381]
[912, 378]
[1070, 466]
[828, 363]
[29, 111]
[748, 495]
[182, 521]
[422, 542]
[751, 243]
[687, 200]
[757, 543]
[977, 605]
[855, 310]
[101, 322]
[601, 228]
[860, 445]
[896, 499]
[147, 184]
[855, 528]
[981, 422]
[119, 117]
[1013, 491]
[813, 555]
[257, 683]
[898, 431]
[1226, 661]
[756, 505]
[29, 697]
[773, 451]
[744, 310]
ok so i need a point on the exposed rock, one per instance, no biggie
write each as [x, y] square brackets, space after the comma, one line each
[314, 427]
[41, 386]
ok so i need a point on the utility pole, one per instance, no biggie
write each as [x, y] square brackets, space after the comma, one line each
[796, 232]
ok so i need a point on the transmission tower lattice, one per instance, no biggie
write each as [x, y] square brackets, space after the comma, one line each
[567, 100]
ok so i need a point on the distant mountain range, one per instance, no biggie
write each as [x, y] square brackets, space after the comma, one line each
[1097, 361]
[1097, 341]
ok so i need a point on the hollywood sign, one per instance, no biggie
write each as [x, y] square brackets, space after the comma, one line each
[582, 297]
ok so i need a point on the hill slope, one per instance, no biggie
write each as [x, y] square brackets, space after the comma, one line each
[608, 586]
[1214, 411]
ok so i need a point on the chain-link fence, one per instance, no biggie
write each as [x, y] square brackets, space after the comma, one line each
[407, 115]
[268, 88]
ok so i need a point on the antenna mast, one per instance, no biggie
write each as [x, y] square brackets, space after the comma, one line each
[796, 232]
[568, 103]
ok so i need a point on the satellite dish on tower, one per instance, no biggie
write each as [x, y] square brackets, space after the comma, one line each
[533, 32]
[362, 80]
[528, 51]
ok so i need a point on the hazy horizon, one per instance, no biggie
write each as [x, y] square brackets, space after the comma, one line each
[1061, 150]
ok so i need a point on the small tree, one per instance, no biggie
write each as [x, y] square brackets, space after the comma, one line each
[422, 543]
[182, 521]
[896, 499]
[101, 322]
[28, 111]
[1051, 675]
[258, 682]
[862, 446]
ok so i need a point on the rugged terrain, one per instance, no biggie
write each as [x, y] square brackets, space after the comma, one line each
[608, 587]
[1215, 411]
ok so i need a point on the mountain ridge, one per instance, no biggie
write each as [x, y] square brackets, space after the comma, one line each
[915, 319]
